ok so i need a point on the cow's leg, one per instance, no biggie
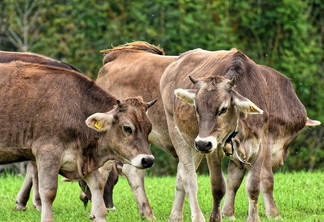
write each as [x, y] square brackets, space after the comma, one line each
[218, 186]
[267, 182]
[48, 168]
[186, 184]
[189, 160]
[233, 182]
[135, 179]
[36, 197]
[23, 194]
[95, 184]
[109, 187]
[253, 188]
[179, 197]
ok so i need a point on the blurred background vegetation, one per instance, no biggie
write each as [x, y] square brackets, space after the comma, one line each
[286, 35]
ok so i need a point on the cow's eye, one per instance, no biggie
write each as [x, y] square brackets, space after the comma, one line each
[127, 129]
[223, 110]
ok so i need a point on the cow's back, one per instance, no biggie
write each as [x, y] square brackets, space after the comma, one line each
[7, 57]
[138, 72]
[41, 103]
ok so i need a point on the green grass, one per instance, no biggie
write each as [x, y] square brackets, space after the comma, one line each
[299, 197]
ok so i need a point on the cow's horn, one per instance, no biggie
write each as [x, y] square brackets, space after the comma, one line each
[194, 81]
[119, 103]
[232, 81]
[151, 103]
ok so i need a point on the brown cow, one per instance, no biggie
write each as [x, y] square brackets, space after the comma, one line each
[31, 177]
[226, 87]
[60, 120]
[136, 69]
[6, 57]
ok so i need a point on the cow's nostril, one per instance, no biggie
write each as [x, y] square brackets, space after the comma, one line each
[147, 162]
[203, 146]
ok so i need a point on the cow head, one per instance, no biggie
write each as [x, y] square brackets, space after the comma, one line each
[218, 107]
[126, 129]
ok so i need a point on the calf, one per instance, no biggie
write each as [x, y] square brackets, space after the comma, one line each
[209, 100]
[136, 69]
[60, 121]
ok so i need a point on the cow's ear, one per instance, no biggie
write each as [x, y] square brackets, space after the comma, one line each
[100, 121]
[244, 105]
[186, 95]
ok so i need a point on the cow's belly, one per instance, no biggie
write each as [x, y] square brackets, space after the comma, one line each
[277, 150]
[10, 155]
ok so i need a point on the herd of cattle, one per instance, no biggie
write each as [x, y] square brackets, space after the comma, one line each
[211, 104]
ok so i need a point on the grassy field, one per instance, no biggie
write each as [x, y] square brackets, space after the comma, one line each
[299, 197]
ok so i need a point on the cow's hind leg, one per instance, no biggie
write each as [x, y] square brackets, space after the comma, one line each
[217, 184]
[233, 182]
[23, 194]
[36, 197]
[267, 182]
[253, 189]
[135, 179]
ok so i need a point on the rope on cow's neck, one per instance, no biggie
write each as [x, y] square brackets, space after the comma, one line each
[239, 157]
[230, 141]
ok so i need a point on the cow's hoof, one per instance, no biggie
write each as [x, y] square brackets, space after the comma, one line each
[149, 218]
[38, 207]
[229, 216]
[111, 208]
[20, 207]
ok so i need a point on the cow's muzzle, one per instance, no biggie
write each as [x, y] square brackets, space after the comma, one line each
[205, 145]
[143, 161]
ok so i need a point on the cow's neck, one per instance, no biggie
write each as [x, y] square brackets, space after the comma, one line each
[95, 156]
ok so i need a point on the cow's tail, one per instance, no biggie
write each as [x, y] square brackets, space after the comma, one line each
[311, 122]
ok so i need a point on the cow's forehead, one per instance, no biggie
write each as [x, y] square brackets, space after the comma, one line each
[213, 97]
[135, 111]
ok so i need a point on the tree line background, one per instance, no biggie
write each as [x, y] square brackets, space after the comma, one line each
[286, 35]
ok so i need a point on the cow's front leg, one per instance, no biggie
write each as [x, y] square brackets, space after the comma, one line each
[48, 165]
[187, 184]
[179, 197]
[233, 182]
[217, 184]
[96, 184]
[109, 188]
[135, 179]
[189, 160]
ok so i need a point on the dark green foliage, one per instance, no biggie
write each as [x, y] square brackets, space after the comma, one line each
[286, 35]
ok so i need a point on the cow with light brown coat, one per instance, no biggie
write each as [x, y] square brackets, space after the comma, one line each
[68, 125]
[136, 69]
[209, 99]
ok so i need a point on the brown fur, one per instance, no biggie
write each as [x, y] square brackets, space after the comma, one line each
[6, 57]
[46, 123]
[136, 69]
[283, 117]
